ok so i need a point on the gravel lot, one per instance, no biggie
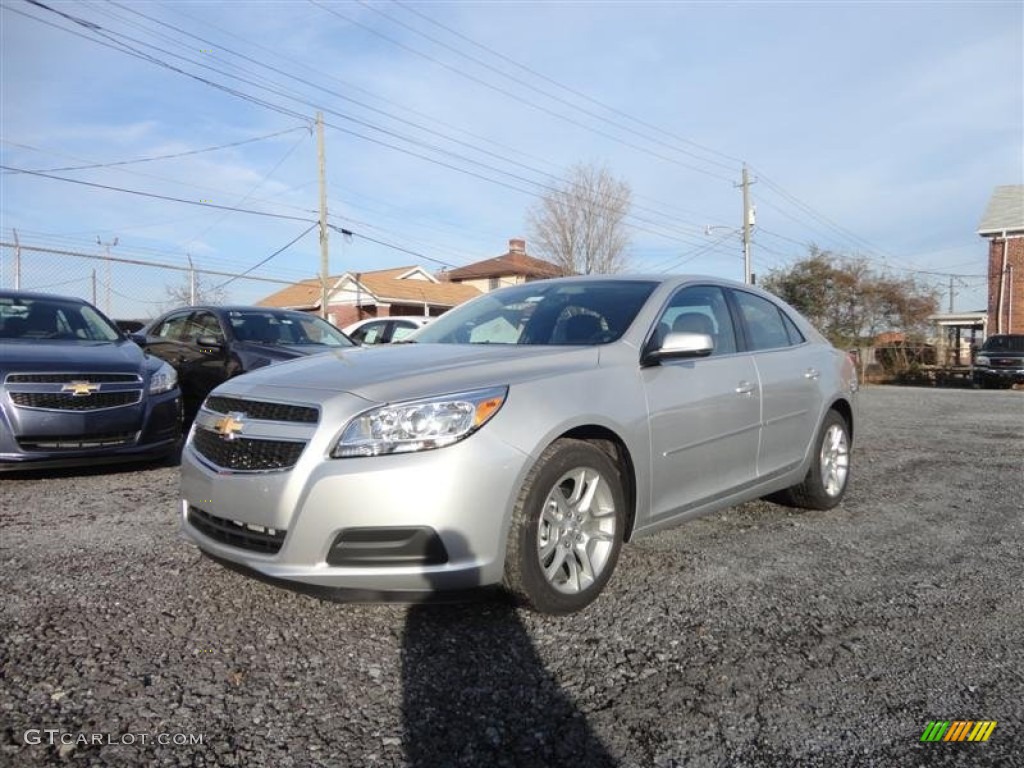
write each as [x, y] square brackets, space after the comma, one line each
[760, 636]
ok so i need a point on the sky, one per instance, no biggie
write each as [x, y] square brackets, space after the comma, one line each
[876, 129]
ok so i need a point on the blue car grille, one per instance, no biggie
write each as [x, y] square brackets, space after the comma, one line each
[65, 401]
[245, 455]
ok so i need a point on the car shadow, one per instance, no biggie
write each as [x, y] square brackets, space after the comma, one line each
[476, 692]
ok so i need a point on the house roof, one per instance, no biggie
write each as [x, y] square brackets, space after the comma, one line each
[387, 286]
[304, 295]
[515, 262]
[390, 286]
[1005, 211]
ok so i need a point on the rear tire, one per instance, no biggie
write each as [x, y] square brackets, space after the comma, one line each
[829, 475]
[567, 528]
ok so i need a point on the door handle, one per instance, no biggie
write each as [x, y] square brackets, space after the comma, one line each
[812, 373]
[744, 388]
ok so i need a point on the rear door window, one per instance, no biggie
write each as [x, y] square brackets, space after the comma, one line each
[765, 326]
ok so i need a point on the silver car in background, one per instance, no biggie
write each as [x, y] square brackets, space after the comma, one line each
[520, 439]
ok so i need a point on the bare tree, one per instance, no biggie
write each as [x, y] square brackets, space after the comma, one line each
[579, 226]
[180, 294]
[850, 302]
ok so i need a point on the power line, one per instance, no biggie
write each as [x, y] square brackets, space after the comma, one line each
[156, 157]
[554, 98]
[154, 195]
[511, 95]
[690, 256]
[350, 233]
[678, 235]
[137, 262]
[573, 91]
[204, 188]
[249, 194]
[259, 264]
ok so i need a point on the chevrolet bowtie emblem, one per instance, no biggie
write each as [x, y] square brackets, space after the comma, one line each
[80, 388]
[230, 425]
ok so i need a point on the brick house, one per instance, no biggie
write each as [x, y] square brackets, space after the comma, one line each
[510, 268]
[383, 293]
[1003, 227]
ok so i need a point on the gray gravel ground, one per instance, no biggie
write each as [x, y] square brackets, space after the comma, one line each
[760, 636]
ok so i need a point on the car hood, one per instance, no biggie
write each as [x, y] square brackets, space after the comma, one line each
[1008, 354]
[71, 356]
[407, 371]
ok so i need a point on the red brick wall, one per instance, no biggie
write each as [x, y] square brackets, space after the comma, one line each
[1012, 284]
[346, 314]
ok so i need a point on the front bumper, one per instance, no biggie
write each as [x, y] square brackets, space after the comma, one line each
[999, 375]
[409, 523]
[150, 430]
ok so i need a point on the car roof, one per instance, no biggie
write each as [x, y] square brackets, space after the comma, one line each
[37, 296]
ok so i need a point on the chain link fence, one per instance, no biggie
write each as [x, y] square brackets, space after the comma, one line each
[123, 287]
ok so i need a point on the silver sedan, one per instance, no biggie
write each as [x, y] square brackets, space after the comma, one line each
[520, 439]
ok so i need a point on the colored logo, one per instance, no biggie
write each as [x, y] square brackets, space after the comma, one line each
[958, 730]
[229, 426]
[80, 388]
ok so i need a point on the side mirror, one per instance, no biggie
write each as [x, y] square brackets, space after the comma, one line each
[209, 343]
[679, 346]
[138, 338]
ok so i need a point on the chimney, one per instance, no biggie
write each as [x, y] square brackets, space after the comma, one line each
[517, 245]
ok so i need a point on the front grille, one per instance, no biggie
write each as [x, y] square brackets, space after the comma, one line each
[254, 538]
[257, 409]
[64, 378]
[66, 401]
[76, 442]
[1006, 362]
[244, 454]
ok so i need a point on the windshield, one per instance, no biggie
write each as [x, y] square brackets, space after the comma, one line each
[544, 313]
[32, 319]
[1008, 343]
[285, 329]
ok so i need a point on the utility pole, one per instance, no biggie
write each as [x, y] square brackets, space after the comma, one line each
[951, 294]
[324, 259]
[107, 246]
[191, 281]
[748, 220]
[17, 261]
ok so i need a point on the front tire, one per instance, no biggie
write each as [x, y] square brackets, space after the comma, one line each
[567, 528]
[825, 483]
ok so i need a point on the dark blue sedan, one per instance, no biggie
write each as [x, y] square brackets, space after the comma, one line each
[74, 390]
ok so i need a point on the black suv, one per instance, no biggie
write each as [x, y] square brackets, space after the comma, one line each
[1000, 361]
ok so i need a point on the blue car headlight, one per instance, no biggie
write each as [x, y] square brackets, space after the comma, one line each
[164, 380]
[419, 425]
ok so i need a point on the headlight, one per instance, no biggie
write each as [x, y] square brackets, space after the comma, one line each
[981, 360]
[419, 425]
[164, 380]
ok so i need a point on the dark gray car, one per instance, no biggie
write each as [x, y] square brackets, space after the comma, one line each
[208, 345]
[74, 390]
